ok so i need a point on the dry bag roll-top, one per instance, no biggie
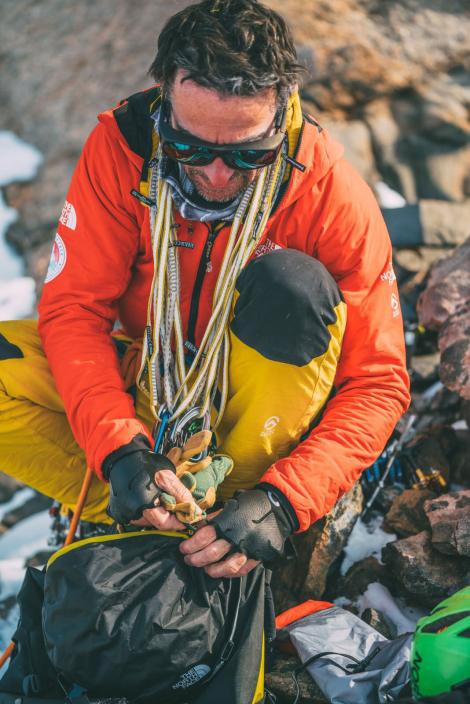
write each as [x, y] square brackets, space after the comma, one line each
[124, 616]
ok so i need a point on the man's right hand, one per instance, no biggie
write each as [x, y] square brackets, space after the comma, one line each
[136, 481]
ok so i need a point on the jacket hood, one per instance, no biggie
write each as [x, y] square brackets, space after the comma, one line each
[310, 144]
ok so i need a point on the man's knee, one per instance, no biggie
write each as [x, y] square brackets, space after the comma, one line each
[286, 302]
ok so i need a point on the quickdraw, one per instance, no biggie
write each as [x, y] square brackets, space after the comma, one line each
[175, 388]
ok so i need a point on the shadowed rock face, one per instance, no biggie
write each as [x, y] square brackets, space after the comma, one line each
[445, 306]
[60, 65]
[390, 78]
[424, 572]
[449, 518]
[448, 289]
[406, 516]
[318, 549]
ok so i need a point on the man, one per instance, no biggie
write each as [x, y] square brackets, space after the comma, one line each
[301, 400]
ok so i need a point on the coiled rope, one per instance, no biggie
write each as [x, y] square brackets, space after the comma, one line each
[163, 376]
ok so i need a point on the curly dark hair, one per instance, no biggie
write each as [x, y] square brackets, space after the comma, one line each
[236, 47]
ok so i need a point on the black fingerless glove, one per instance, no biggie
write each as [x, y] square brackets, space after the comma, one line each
[258, 522]
[131, 474]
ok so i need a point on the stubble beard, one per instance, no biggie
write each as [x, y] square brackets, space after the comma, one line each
[238, 182]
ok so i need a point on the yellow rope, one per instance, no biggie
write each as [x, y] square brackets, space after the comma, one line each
[196, 386]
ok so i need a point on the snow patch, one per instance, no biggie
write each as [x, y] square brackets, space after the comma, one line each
[377, 596]
[22, 541]
[366, 539]
[25, 538]
[18, 499]
[19, 162]
[387, 197]
[17, 298]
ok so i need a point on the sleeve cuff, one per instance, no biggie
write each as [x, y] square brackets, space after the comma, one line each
[139, 442]
[284, 502]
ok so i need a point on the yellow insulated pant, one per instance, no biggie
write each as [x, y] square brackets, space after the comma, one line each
[286, 334]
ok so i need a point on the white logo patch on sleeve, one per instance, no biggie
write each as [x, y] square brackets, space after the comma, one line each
[57, 260]
[395, 304]
[68, 216]
[388, 275]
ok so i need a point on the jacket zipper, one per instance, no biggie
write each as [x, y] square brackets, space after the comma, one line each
[214, 229]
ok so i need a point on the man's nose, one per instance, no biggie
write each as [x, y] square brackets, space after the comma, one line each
[218, 173]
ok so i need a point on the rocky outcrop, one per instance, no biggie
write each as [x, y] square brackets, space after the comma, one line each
[379, 621]
[445, 306]
[318, 548]
[429, 225]
[406, 515]
[425, 573]
[359, 576]
[8, 487]
[279, 681]
[454, 344]
[461, 461]
[449, 518]
[35, 504]
[389, 79]
[448, 289]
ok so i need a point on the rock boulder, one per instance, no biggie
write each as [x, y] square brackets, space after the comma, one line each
[449, 517]
[454, 345]
[406, 515]
[359, 576]
[448, 289]
[425, 573]
[317, 550]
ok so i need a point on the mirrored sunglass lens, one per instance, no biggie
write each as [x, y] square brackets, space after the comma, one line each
[253, 158]
[187, 153]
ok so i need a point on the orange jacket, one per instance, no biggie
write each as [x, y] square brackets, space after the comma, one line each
[102, 268]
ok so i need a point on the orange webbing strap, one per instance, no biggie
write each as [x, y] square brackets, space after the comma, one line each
[70, 536]
[4, 657]
[79, 507]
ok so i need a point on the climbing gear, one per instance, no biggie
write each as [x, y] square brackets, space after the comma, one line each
[256, 524]
[112, 229]
[164, 377]
[440, 656]
[400, 464]
[393, 451]
[349, 660]
[140, 635]
[131, 472]
[132, 486]
[188, 149]
[430, 479]
[200, 473]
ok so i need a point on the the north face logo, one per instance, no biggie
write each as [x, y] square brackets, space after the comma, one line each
[68, 216]
[57, 260]
[192, 676]
[265, 247]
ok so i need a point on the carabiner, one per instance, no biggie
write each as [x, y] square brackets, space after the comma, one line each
[164, 419]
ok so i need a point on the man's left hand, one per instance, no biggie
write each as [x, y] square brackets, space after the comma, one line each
[205, 550]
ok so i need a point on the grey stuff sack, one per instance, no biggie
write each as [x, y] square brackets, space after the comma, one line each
[338, 631]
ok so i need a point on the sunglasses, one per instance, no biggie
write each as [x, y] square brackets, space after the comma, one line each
[188, 149]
